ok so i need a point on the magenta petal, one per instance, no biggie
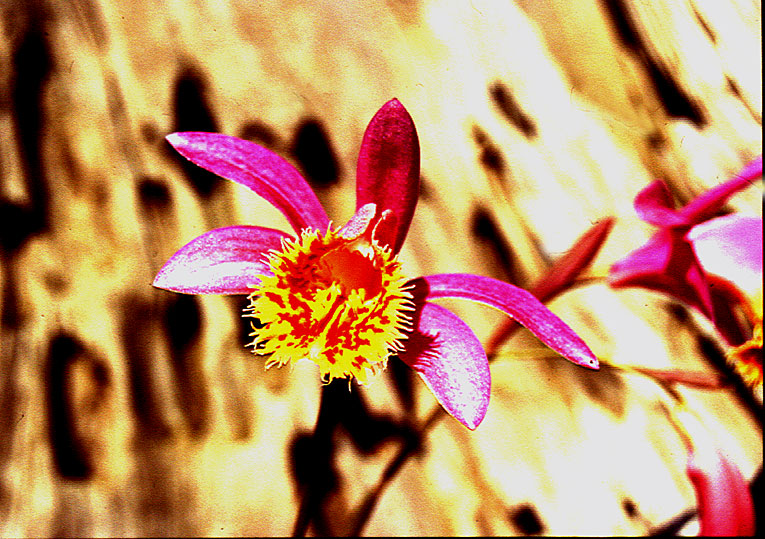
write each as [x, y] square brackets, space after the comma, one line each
[731, 247]
[706, 205]
[654, 205]
[261, 170]
[449, 358]
[753, 169]
[388, 171]
[515, 302]
[666, 263]
[723, 497]
[221, 261]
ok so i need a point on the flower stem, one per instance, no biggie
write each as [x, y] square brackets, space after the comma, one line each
[410, 446]
[321, 480]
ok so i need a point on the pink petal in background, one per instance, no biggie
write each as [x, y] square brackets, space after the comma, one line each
[731, 247]
[707, 204]
[667, 264]
[654, 205]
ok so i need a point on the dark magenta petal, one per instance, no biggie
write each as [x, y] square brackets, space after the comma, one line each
[724, 501]
[667, 264]
[731, 247]
[388, 171]
[513, 301]
[222, 261]
[654, 205]
[261, 170]
[449, 358]
[560, 277]
[564, 272]
[708, 204]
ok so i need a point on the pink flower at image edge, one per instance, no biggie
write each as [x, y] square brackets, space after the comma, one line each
[713, 264]
[337, 296]
[724, 502]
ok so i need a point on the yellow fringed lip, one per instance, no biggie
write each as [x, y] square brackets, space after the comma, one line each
[340, 302]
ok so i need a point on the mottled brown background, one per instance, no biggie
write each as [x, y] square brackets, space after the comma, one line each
[126, 410]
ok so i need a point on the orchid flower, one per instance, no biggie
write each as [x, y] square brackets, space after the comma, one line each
[713, 264]
[337, 296]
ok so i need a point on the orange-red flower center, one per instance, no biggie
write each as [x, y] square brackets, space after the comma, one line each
[339, 302]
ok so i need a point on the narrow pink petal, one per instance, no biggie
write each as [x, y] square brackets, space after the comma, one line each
[513, 301]
[723, 497]
[449, 358]
[261, 170]
[654, 205]
[753, 169]
[706, 205]
[564, 272]
[561, 276]
[667, 264]
[731, 247]
[388, 171]
[221, 261]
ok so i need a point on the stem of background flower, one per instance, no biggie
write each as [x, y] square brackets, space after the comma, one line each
[697, 379]
[664, 378]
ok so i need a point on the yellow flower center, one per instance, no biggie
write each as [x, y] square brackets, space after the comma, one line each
[339, 302]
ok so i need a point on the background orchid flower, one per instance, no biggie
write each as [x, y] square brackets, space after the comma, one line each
[713, 264]
[724, 501]
[723, 497]
[337, 295]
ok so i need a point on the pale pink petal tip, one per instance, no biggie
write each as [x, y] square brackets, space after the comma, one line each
[451, 361]
[359, 223]
[731, 247]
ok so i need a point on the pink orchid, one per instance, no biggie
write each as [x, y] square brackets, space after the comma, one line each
[713, 264]
[337, 296]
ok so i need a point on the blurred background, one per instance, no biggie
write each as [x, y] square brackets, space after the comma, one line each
[127, 410]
